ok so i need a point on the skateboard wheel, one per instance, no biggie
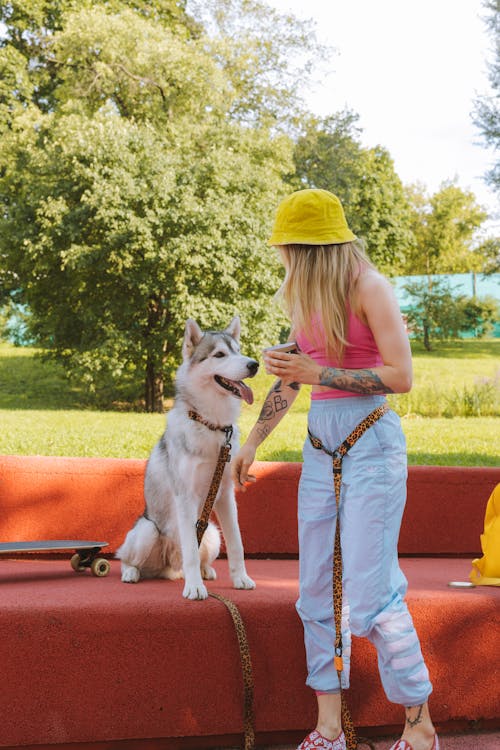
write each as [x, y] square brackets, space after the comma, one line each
[75, 563]
[100, 567]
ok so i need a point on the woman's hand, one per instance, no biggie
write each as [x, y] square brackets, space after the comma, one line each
[240, 466]
[292, 368]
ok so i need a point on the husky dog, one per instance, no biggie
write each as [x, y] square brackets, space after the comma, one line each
[163, 543]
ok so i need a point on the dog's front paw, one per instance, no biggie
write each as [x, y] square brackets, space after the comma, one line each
[195, 591]
[130, 574]
[243, 581]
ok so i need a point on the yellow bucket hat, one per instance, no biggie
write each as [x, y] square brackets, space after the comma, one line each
[310, 217]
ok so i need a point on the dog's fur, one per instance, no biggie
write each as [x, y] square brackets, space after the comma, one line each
[179, 471]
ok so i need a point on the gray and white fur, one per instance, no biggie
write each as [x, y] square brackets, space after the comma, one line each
[163, 543]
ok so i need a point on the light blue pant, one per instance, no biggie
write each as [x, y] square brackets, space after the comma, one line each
[373, 496]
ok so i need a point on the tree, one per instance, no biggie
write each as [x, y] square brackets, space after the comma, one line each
[486, 115]
[137, 201]
[266, 56]
[444, 228]
[488, 255]
[31, 24]
[434, 312]
[329, 155]
[479, 315]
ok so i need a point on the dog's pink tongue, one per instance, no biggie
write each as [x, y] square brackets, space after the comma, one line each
[246, 392]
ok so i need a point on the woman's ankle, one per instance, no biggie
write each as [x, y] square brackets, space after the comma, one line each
[419, 729]
[329, 722]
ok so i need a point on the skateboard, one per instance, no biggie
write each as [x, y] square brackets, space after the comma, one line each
[86, 553]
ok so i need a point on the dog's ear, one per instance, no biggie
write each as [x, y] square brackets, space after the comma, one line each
[192, 336]
[234, 328]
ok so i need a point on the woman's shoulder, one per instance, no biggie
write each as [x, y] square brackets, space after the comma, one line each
[370, 281]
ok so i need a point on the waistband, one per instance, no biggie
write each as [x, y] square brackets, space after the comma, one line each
[345, 404]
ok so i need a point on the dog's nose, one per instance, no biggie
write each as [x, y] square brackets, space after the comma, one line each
[253, 366]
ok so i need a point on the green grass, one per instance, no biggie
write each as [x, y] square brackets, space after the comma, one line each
[41, 413]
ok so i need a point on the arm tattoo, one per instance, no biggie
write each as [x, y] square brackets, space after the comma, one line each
[355, 381]
[273, 403]
[263, 431]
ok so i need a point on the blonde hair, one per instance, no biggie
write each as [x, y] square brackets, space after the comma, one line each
[319, 281]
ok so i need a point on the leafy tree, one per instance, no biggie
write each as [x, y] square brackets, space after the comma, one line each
[487, 110]
[479, 315]
[135, 204]
[329, 155]
[488, 255]
[444, 227]
[434, 312]
[266, 56]
[31, 24]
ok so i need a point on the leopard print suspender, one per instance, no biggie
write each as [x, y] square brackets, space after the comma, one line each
[337, 456]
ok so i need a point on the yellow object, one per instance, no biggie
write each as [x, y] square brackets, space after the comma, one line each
[486, 570]
[310, 217]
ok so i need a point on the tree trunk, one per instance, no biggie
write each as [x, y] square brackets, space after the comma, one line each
[154, 389]
[427, 340]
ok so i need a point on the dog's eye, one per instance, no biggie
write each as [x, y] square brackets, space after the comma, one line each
[220, 354]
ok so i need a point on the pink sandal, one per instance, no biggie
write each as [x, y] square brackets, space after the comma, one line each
[404, 745]
[316, 741]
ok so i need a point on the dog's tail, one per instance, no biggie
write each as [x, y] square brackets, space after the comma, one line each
[139, 543]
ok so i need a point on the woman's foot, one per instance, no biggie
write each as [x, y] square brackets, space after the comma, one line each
[316, 741]
[404, 745]
[419, 732]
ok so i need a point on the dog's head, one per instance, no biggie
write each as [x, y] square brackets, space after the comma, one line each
[214, 356]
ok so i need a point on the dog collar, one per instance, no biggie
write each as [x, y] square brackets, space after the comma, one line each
[228, 429]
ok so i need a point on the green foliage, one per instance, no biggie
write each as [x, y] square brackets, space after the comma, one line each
[127, 236]
[434, 313]
[444, 226]
[437, 313]
[329, 155]
[138, 200]
[267, 58]
[488, 253]
[478, 315]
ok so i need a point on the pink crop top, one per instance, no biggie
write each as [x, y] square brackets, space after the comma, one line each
[361, 352]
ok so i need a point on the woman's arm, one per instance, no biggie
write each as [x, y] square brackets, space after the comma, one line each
[277, 403]
[378, 306]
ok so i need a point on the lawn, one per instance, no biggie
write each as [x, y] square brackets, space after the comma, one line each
[41, 413]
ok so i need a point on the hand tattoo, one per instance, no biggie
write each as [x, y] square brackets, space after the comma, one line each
[354, 381]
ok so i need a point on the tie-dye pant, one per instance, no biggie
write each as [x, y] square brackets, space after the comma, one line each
[373, 496]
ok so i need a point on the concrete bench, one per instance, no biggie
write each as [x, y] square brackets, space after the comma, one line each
[93, 663]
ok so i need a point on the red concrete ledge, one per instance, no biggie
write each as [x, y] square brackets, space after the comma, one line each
[101, 663]
[49, 497]
[94, 660]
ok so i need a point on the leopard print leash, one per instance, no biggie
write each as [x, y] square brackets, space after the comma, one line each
[337, 456]
[222, 460]
[239, 625]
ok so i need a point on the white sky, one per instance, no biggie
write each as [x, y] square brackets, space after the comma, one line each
[411, 70]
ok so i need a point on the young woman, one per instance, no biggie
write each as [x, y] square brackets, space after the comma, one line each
[353, 350]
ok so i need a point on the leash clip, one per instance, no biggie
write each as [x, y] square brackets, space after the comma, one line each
[201, 526]
[228, 431]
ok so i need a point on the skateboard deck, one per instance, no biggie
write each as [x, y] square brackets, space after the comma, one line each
[85, 552]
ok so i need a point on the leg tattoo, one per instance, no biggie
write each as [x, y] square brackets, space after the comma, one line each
[412, 722]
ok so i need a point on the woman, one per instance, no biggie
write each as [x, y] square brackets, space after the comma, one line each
[353, 350]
